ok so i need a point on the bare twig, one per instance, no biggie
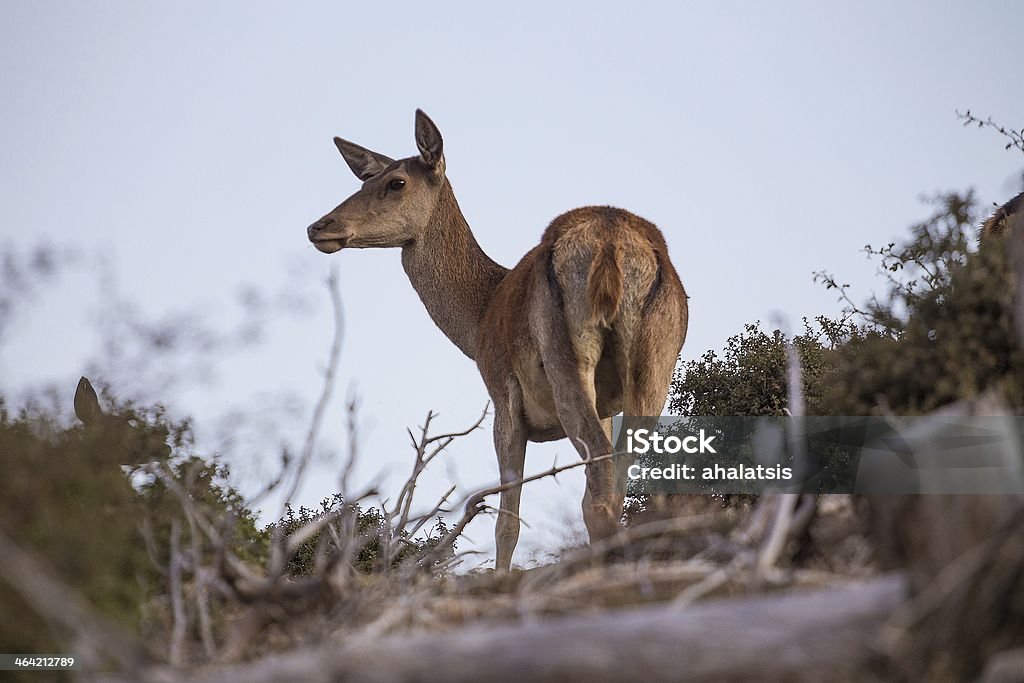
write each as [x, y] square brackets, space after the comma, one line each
[712, 581]
[203, 577]
[1015, 137]
[439, 443]
[277, 557]
[433, 512]
[327, 387]
[398, 517]
[352, 427]
[673, 526]
[474, 504]
[178, 617]
[785, 504]
[771, 549]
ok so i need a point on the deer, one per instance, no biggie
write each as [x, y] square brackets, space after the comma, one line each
[117, 435]
[1003, 219]
[588, 324]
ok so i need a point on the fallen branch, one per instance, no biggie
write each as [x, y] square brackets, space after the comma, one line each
[806, 636]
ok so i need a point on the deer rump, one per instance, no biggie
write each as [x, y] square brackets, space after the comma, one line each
[590, 291]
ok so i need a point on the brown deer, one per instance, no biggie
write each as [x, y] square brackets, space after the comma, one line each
[1006, 216]
[587, 325]
[115, 434]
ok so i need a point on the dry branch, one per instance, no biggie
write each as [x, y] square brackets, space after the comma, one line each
[474, 504]
[805, 636]
[278, 557]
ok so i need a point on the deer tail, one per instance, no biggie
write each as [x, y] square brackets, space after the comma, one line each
[604, 286]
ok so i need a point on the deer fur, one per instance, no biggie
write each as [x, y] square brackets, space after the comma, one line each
[1000, 222]
[588, 324]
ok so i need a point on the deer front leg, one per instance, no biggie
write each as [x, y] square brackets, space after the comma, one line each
[510, 446]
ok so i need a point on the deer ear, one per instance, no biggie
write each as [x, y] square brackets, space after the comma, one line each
[428, 140]
[87, 405]
[364, 163]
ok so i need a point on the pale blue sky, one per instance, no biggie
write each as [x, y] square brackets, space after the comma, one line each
[190, 142]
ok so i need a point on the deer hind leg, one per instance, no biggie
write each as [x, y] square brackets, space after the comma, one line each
[649, 364]
[607, 511]
[569, 364]
[602, 507]
[510, 446]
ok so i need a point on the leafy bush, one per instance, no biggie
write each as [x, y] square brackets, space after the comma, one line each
[64, 496]
[343, 521]
[749, 377]
[942, 330]
[80, 497]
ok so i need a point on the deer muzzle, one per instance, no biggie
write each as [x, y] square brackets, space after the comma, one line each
[327, 236]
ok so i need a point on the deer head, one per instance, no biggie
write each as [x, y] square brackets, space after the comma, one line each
[395, 204]
[123, 437]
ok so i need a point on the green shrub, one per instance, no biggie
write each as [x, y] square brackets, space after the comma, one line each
[79, 498]
[64, 495]
[941, 330]
[366, 526]
[944, 329]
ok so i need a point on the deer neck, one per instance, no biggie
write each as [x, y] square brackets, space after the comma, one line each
[455, 279]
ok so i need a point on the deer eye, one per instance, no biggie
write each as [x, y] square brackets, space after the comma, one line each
[396, 184]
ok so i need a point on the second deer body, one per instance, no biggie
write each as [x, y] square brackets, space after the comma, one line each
[587, 325]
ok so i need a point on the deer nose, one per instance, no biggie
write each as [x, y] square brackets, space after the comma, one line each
[318, 226]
